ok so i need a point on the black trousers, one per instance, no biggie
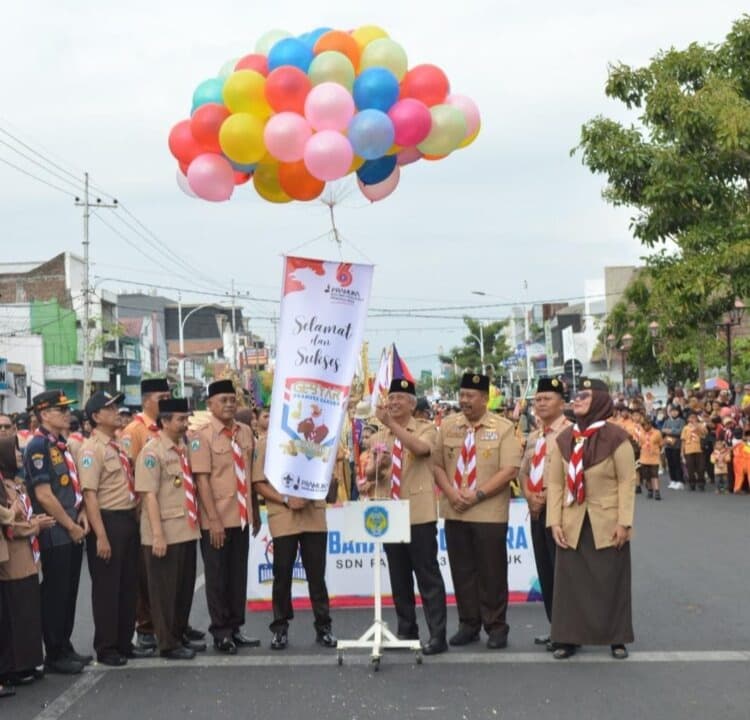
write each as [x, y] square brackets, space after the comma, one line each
[478, 556]
[61, 569]
[113, 583]
[20, 625]
[312, 549]
[695, 469]
[171, 583]
[544, 555]
[674, 464]
[143, 622]
[226, 581]
[417, 558]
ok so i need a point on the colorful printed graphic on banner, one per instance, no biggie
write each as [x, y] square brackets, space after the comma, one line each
[323, 312]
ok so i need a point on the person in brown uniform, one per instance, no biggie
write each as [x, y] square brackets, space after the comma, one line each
[404, 472]
[476, 457]
[20, 606]
[134, 437]
[169, 528]
[549, 405]
[221, 456]
[296, 525]
[112, 547]
[590, 504]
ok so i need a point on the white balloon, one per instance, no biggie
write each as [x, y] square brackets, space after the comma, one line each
[269, 39]
[228, 68]
[182, 183]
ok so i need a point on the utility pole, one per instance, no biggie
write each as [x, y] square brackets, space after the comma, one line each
[86, 205]
[234, 332]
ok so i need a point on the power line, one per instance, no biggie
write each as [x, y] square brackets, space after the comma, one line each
[76, 185]
[37, 178]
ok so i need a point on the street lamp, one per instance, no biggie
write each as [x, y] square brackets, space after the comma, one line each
[733, 318]
[182, 321]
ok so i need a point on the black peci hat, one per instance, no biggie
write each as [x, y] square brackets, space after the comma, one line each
[173, 405]
[154, 385]
[402, 385]
[550, 384]
[593, 384]
[221, 387]
[474, 381]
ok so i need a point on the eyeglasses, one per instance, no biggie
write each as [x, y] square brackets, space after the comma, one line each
[61, 410]
[583, 395]
[5, 427]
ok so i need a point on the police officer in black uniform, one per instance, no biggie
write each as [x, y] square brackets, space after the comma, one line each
[53, 486]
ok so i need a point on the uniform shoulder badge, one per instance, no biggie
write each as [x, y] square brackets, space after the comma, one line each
[195, 444]
[149, 461]
[87, 461]
[126, 442]
[37, 460]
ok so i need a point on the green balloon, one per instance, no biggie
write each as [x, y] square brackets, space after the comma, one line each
[332, 66]
[385, 53]
[447, 133]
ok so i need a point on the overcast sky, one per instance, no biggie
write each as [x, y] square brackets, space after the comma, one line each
[98, 85]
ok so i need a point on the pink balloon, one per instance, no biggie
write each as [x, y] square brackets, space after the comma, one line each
[411, 120]
[383, 189]
[329, 106]
[408, 156]
[286, 135]
[211, 177]
[182, 183]
[328, 155]
[470, 110]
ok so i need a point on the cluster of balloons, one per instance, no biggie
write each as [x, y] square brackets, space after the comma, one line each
[303, 111]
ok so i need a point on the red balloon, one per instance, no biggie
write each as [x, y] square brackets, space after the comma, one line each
[286, 89]
[427, 83]
[296, 181]
[241, 178]
[183, 145]
[254, 61]
[205, 124]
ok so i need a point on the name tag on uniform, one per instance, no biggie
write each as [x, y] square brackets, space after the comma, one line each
[487, 454]
[489, 435]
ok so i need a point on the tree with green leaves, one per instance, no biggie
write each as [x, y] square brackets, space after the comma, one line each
[468, 357]
[683, 165]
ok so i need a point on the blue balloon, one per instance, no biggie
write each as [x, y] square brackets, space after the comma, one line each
[239, 167]
[375, 171]
[290, 51]
[375, 88]
[209, 91]
[312, 37]
[371, 134]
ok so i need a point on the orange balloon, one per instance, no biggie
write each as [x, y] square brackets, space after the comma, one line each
[339, 41]
[297, 182]
[434, 158]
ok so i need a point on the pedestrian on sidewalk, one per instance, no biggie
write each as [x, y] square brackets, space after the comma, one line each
[672, 432]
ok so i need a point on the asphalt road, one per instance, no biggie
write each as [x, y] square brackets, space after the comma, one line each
[691, 658]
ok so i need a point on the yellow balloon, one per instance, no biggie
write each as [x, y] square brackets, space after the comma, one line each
[241, 138]
[394, 149]
[386, 53]
[357, 163]
[367, 33]
[447, 132]
[266, 182]
[245, 92]
[470, 139]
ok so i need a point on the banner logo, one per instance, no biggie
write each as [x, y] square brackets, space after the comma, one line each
[376, 521]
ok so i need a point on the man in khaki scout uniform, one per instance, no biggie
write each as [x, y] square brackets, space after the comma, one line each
[404, 472]
[297, 525]
[112, 547]
[134, 437]
[221, 456]
[476, 457]
[549, 404]
[169, 529]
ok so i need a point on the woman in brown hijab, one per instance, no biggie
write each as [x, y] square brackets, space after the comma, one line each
[590, 503]
[20, 613]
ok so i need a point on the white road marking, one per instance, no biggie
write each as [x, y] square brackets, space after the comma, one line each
[72, 695]
[200, 581]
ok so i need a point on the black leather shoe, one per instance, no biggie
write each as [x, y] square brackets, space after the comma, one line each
[178, 653]
[192, 634]
[197, 645]
[63, 666]
[83, 659]
[244, 641]
[434, 646]
[139, 653]
[280, 640]
[541, 640]
[564, 651]
[497, 641]
[326, 639]
[225, 645]
[464, 636]
[7, 691]
[113, 660]
[146, 640]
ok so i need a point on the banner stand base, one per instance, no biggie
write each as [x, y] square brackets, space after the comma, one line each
[378, 637]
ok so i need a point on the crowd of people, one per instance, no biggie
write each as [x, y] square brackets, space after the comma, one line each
[140, 493]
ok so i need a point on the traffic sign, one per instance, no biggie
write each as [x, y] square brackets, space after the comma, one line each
[573, 367]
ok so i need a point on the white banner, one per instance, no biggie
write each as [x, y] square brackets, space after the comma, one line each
[323, 312]
[349, 574]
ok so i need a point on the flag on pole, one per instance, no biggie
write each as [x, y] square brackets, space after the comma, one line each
[382, 382]
[400, 370]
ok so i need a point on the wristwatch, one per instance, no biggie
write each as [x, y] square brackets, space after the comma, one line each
[286, 500]
[480, 495]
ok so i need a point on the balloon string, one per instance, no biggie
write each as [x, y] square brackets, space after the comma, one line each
[333, 224]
